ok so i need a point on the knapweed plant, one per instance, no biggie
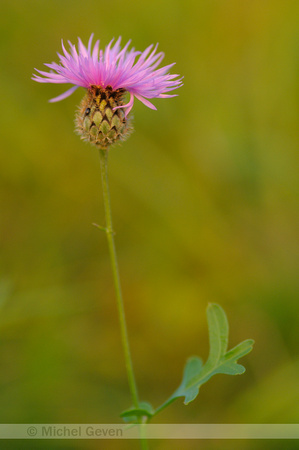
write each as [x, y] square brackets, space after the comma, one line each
[103, 119]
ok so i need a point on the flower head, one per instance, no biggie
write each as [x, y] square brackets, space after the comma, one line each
[108, 75]
[133, 71]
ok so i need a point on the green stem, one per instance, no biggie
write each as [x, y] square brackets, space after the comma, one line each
[116, 279]
[165, 404]
[117, 285]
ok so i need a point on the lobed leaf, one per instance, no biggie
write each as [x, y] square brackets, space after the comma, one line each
[219, 361]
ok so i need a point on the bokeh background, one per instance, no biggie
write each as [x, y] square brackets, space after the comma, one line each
[204, 203]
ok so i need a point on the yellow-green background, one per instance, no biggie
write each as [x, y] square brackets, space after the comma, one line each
[204, 204]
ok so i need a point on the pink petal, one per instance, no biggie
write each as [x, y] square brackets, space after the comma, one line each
[145, 102]
[64, 95]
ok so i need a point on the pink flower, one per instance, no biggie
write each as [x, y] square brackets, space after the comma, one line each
[134, 71]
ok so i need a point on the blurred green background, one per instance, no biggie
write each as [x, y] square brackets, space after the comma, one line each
[204, 203]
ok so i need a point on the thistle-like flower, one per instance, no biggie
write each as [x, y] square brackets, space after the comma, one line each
[108, 75]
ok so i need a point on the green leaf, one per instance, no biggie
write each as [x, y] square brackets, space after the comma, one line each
[218, 333]
[132, 414]
[192, 368]
[219, 361]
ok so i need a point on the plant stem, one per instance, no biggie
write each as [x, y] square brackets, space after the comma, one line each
[117, 285]
[113, 257]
